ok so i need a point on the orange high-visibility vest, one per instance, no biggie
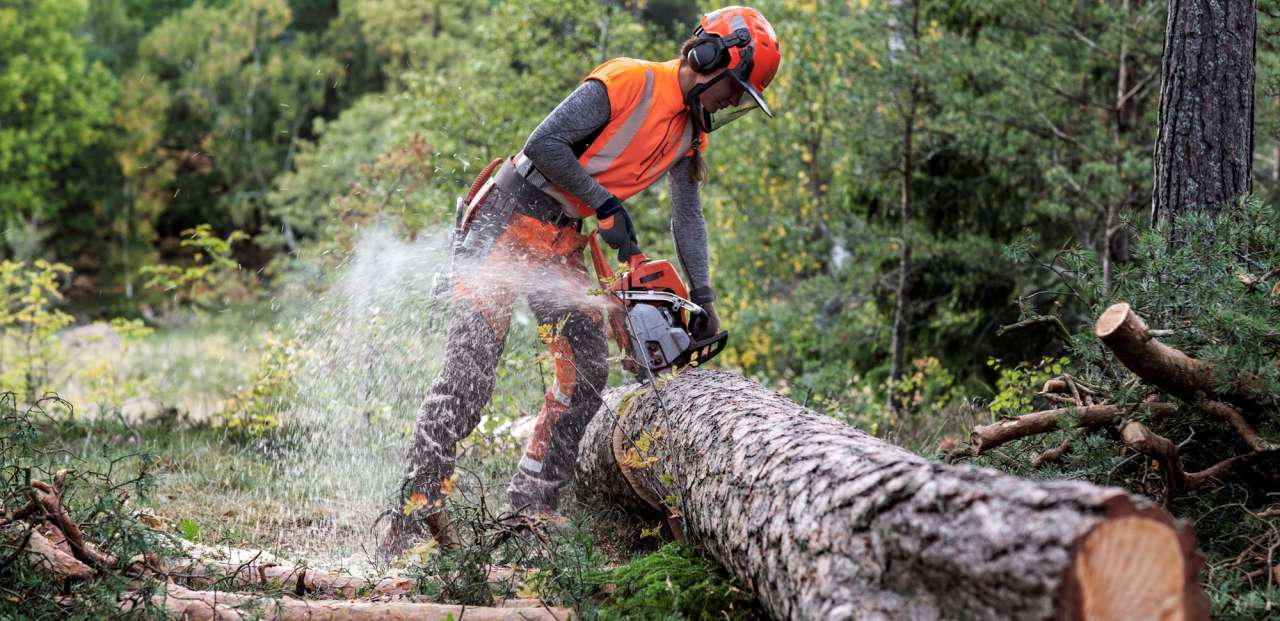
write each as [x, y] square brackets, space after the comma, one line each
[648, 131]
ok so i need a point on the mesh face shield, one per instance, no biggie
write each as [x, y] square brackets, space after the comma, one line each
[743, 92]
[748, 99]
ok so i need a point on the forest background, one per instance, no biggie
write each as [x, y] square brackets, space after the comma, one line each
[246, 191]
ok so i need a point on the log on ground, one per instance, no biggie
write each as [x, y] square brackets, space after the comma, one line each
[296, 579]
[181, 603]
[822, 521]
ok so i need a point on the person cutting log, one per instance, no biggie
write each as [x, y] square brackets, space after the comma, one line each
[627, 125]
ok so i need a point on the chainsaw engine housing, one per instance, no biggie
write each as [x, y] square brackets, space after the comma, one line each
[657, 338]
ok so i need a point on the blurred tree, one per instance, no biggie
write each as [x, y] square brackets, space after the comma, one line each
[242, 88]
[53, 103]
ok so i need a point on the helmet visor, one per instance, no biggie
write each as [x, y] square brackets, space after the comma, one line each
[748, 99]
[723, 117]
[756, 96]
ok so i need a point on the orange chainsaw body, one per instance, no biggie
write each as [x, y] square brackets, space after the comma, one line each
[645, 276]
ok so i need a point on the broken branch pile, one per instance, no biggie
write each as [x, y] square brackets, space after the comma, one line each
[1190, 380]
[44, 531]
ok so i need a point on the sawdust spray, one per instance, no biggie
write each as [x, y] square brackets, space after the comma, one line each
[372, 343]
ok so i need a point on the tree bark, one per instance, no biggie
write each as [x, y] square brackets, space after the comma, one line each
[822, 521]
[1204, 148]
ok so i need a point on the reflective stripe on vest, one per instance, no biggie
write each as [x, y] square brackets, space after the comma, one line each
[647, 132]
[618, 143]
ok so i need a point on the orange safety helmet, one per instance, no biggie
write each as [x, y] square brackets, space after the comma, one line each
[740, 40]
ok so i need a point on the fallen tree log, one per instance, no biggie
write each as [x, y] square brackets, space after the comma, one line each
[188, 605]
[297, 579]
[822, 521]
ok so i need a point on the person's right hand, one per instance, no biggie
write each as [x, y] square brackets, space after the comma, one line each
[616, 228]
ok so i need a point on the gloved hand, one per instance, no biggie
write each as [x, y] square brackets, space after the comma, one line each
[710, 326]
[616, 228]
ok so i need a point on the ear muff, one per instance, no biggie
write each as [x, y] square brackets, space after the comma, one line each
[711, 53]
[708, 55]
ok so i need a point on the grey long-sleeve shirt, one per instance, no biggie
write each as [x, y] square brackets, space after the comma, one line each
[560, 139]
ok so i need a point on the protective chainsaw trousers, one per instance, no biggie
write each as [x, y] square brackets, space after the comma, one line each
[506, 253]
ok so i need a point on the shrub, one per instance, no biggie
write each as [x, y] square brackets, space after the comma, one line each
[96, 500]
[676, 583]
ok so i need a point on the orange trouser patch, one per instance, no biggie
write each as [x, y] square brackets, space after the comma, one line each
[557, 399]
[528, 254]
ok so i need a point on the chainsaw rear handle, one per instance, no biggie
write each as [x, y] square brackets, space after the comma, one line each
[603, 271]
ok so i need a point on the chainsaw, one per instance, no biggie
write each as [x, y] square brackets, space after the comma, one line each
[652, 319]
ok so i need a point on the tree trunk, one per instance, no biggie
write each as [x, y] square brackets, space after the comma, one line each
[822, 521]
[906, 164]
[1204, 149]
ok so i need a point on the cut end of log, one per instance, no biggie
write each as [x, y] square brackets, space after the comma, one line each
[1131, 568]
[1111, 319]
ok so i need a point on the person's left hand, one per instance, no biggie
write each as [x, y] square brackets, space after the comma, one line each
[710, 326]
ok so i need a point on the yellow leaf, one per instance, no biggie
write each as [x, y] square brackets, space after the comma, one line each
[415, 502]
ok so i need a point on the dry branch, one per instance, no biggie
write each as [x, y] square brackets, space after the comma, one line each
[1237, 421]
[1124, 332]
[49, 497]
[822, 521]
[987, 437]
[47, 555]
[1257, 469]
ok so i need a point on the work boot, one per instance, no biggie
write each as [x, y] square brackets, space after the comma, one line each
[442, 530]
[543, 519]
[406, 531]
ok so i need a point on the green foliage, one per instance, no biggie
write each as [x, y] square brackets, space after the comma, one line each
[574, 572]
[31, 356]
[213, 269]
[96, 500]
[255, 409]
[52, 105]
[1017, 386]
[676, 583]
[189, 529]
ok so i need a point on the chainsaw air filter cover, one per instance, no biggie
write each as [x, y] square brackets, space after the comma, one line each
[657, 336]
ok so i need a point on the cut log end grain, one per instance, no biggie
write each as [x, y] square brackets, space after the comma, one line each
[1115, 318]
[1166, 368]
[1131, 568]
